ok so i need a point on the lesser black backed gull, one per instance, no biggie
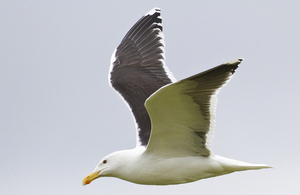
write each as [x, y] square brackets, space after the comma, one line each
[175, 120]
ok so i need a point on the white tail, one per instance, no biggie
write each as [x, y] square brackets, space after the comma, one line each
[231, 165]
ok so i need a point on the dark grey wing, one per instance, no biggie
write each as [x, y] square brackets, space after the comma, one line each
[138, 68]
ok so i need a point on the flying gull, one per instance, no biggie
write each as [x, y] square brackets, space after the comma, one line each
[175, 120]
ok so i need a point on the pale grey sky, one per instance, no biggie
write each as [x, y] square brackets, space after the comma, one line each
[59, 117]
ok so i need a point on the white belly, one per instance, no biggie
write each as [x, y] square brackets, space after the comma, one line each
[166, 171]
[158, 170]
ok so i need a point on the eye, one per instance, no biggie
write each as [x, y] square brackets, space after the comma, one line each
[104, 161]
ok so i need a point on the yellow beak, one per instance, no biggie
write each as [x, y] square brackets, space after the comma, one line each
[88, 179]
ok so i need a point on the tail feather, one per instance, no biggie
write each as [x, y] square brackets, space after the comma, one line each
[235, 165]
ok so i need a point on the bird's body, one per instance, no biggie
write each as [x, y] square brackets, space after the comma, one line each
[175, 120]
[142, 168]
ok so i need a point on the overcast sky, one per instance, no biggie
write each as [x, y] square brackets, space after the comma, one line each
[59, 116]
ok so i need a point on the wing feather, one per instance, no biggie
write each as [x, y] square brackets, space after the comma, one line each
[138, 68]
[183, 113]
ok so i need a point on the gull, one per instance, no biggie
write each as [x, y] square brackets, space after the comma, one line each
[175, 120]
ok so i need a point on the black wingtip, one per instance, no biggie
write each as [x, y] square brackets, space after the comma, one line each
[235, 62]
[153, 11]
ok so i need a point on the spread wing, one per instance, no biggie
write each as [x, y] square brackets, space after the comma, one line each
[183, 113]
[138, 68]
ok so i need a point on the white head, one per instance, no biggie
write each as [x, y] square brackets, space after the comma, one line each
[106, 167]
[112, 165]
